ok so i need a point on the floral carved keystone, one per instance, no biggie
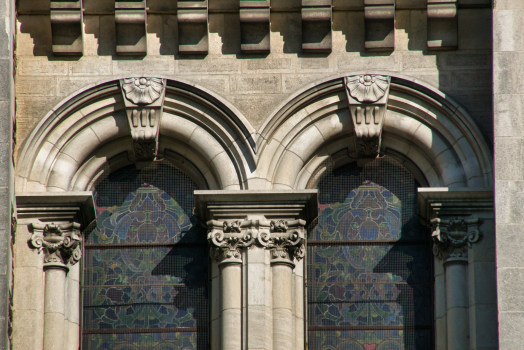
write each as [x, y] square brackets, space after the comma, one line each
[452, 238]
[61, 244]
[367, 98]
[144, 99]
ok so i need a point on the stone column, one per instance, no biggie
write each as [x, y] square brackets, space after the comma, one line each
[286, 243]
[226, 242]
[451, 241]
[61, 245]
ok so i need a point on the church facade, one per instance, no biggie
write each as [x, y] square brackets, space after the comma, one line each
[282, 174]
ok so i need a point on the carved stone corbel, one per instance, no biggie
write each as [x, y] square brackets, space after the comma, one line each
[61, 244]
[452, 238]
[144, 101]
[285, 239]
[254, 26]
[227, 240]
[367, 98]
[67, 27]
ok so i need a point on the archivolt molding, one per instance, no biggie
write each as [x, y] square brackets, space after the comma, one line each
[422, 127]
[88, 134]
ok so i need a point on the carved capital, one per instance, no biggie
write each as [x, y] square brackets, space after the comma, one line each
[144, 99]
[226, 240]
[367, 98]
[61, 244]
[452, 238]
[285, 239]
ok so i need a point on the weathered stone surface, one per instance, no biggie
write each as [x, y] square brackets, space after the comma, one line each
[256, 84]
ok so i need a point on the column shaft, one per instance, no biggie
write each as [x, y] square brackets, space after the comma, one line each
[282, 306]
[231, 303]
[457, 305]
[54, 307]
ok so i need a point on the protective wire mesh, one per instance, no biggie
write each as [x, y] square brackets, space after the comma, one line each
[145, 283]
[370, 271]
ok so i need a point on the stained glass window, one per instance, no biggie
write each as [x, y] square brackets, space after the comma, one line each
[370, 272]
[145, 274]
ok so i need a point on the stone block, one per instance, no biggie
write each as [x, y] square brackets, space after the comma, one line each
[28, 326]
[510, 328]
[507, 150]
[68, 86]
[256, 108]
[509, 115]
[32, 5]
[377, 61]
[415, 61]
[5, 121]
[315, 65]
[98, 66]
[218, 83]
[43, 86]
[256, 284]
[348, 31]
[293, 82]
[150, 66]
[210, 65]
[98, 6]
[256, 84]
[510, 280]
[509, 243]
[477, 60]
[259, 327]
[508, 72]
[107, 36]
[479, 79]
[28, 293]
[5, 37]
[507, 35]
[268, 65]
[5, 74]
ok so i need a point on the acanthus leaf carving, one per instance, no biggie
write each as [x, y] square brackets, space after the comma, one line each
[453, 238]
[144, 99]
[61, 244]
[286, 240]
[226, 240]
[367, 98]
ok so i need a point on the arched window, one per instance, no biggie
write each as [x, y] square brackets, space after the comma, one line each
[145, 272]
[370, 265]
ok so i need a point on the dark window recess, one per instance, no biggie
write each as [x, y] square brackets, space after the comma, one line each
[370, 265]
[145, 274]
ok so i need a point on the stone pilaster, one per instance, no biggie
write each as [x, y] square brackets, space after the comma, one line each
[456, 216]
[258, 239]
[50, 224]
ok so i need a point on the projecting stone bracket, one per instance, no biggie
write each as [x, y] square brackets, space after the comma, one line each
[144, 100]
[367, 99]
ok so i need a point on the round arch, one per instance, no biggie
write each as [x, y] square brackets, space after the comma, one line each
[88, 133]
[423, 128]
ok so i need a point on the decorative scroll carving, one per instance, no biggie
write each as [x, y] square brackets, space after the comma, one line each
[379, 18]
[61, 244]
[452, 238]
[286, 240]
[66, 27]
[144, 99]
[442, 25]
[227, 240]
[367, 97]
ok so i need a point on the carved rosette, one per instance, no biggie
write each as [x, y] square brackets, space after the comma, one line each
[367, 98]
[285, 239]
[61, 244]
[452, 238]
[144, 99]
[226, 240]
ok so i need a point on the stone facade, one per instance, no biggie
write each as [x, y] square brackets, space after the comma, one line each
[249, 100]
